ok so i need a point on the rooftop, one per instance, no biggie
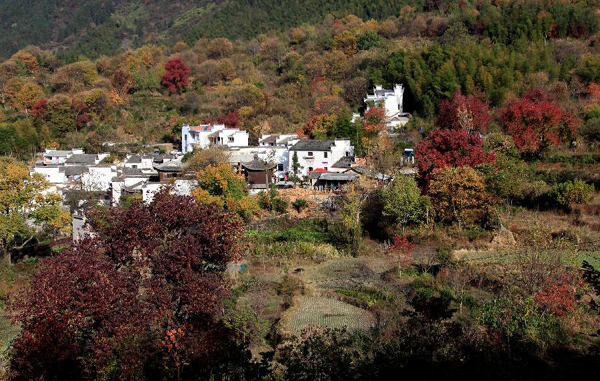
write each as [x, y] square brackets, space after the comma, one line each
[81, 158]
[256, 165]
[313, 145]
[344, 162]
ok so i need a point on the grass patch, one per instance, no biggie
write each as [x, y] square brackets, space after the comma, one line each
[370, 296]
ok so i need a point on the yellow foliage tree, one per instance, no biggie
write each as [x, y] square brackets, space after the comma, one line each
[28, 96]
[219, 184]
[458, 195]
[27, 60]
[27, 208]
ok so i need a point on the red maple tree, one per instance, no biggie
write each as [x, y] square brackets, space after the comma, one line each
[449, 148]
[176, 76]
[107, 303]
[536, 122]
[460, 111]
[374, 120]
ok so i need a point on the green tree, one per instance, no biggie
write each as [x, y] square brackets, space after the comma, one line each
[296, 168]
[403, 202]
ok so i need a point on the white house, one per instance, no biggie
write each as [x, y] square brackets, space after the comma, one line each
[207, 135]
[53, 173]
[278, 140]
[52, 156]
[319, 154]
[392, 102]
[98, 178]
[139, 162]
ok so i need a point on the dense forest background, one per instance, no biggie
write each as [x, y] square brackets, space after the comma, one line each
[86, 73]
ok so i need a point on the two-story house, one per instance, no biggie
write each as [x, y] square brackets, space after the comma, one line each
[392, 102]
[204, 136]
[319, 154]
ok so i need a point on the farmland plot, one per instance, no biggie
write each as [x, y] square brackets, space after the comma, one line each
[320, 311]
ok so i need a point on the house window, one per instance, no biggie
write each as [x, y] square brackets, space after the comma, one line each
[231, 139]
[310, 154]
[280, 167]
[325, 155]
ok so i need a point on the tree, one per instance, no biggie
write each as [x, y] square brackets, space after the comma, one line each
[28, 96]
[458, 195]
[351, 207]
[403, 202]
[219, 48]
[536, 122]
[220, 185]
[368, 40]
[176, 76]
[345, 42]
[296, 168]
[466, 112]
[202, 158]
[452, 148]
[27, 208]
[374, 120]
[108, 306]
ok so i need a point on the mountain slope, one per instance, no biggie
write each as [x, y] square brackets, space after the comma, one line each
[98, 27]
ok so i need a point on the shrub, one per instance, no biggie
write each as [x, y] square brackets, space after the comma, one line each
[299, 204]
[571, 192]
[273, 201]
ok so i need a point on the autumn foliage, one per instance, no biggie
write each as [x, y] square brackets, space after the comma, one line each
[138, 301]
[464, 112]
[176, 76]
[374, 120]
[452, 148]
[536, 122]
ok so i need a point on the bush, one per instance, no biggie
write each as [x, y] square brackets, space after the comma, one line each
[273, 201]
[299, 204]
[571, 192]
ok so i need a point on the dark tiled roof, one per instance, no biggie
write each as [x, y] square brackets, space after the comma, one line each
[344, 162]
[75, 170]
[312, 145]
[256, 165]
[134, 159]
[81, 158]
[332, 176]
[270, 139]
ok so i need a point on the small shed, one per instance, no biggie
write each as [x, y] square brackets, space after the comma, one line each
[330, 181]
[257, 172]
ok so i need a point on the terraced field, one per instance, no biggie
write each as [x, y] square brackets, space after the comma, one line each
[320, 311]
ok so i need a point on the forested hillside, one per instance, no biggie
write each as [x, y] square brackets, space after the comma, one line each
[97, 27]
[308, 78]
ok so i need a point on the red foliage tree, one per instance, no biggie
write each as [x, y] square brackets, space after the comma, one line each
[374, 120]
[230, 119]
[536, 122]
[559, 296]
[38, 109]
[449, 148]
[468, 112]
[403, 247]
[81, 113]
[176, 76]
[109, 302]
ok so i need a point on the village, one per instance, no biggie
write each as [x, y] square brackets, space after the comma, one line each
[322, 166]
